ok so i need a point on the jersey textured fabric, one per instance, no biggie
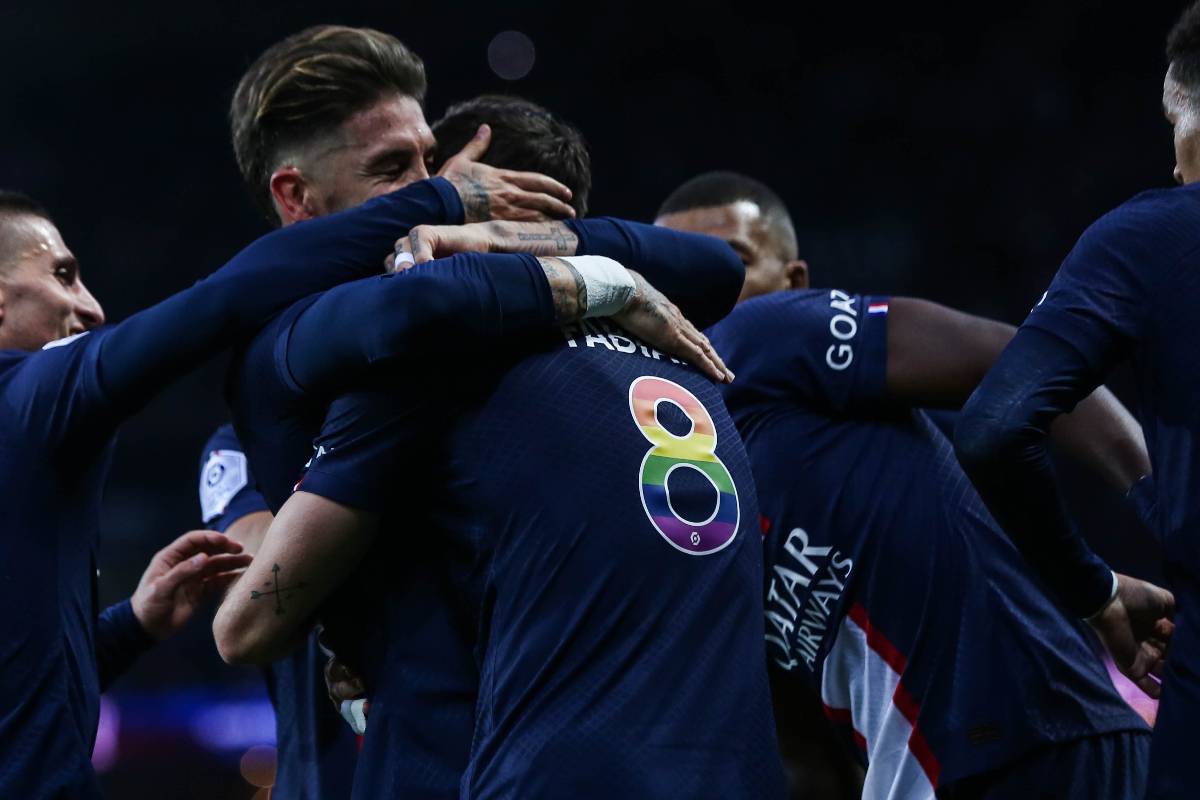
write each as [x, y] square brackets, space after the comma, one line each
[1124, 294]
[597, 508]
[315, 750]
[63, 405]
[889, 588]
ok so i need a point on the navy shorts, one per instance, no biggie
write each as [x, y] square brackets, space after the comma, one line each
[1110, 766]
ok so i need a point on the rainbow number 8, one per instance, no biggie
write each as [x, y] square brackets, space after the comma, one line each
[697, 451]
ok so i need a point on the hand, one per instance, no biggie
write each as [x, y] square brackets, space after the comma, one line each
[345, 690]
[181, 576]
[492, 193]
[427, 242]
[1136, 628]
[654, 319]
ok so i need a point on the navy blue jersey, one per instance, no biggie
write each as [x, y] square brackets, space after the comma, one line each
[1125, 292]
[62, 405]
[315, 749]
[597, 506]
[279, 388]
[889, 588]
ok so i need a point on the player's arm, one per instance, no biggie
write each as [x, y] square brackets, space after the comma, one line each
[177, 581]
[312, 545]
[700, 274]
[464, 303]
[922, 370]
[1094, 312]
[127, 363]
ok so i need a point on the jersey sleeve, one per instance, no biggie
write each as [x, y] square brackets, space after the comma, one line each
[368, 442]
[228, 490]
[84, 386]
[826, 349]
[453, 305]
[700, 274]
[1099, 301]
[120, 639]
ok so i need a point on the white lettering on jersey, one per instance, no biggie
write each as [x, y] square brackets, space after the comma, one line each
[797, 631]
[64, 341]
[224, 475]
[603, 333]
[843, 326]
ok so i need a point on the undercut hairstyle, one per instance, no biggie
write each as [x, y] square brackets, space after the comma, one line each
[302, 89]
[722, 188]
[17, 204]
[1183, 48]
[12, 205]
[525, 137]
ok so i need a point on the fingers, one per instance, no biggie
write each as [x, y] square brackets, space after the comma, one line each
[193, 542]
[422, 241]
[723, 373]
[538, 183]
[475, 149]
[200, 566]
[1149, 686]
[537, 202]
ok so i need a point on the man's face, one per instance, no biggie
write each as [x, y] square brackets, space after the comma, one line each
[1181, 108]
[379, 150]
[42, 296]
[750, 234]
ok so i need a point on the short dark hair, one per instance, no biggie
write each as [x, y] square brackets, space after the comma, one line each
[305, 87]
[723, 187]
[525, 136]
[1183, 47]
[17, 203]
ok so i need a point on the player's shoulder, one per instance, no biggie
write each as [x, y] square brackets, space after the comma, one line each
[1161, 221]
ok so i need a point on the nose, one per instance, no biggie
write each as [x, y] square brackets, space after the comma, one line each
[421, 169]
[1178, 175]
[87, 308]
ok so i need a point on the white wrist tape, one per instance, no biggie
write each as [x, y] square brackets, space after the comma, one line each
[354, 712]
[1112, 595]
[609, 285]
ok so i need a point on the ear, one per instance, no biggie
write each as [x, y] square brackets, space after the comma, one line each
[294, 198]
[796, 273]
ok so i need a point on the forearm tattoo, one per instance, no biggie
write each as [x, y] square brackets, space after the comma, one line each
[273, 589]
[477, 205]
[567, 289]
[546, 239]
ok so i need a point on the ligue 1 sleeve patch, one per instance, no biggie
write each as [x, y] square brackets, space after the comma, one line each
[223, 476]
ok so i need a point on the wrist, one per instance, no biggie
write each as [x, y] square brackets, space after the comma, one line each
[608, 286]
[1112, 598]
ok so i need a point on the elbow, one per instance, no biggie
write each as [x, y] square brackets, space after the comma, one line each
[982, 440]
[237, 642]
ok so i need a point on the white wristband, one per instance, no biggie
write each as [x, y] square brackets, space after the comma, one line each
[609, 285]
[354, 712]
[1112, 595]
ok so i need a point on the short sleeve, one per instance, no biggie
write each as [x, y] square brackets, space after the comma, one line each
[826, 349]
[228, 490]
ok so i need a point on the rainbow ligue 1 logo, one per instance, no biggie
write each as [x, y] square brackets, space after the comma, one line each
[696, 451]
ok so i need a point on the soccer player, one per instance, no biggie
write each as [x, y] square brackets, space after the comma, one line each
[597, 511]
[67, 383]
[1124, 294]
[889, 589]
[322, 121]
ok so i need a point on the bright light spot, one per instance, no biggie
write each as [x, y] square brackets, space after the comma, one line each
[258, 766]
[510, 55]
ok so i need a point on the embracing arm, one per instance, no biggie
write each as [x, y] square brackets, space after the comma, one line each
[311, 547]
[140, 355]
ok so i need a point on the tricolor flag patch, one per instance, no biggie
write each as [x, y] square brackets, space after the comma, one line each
[877, 308]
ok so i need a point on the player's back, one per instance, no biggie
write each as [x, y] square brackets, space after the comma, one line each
[889, 587]
[619, 643]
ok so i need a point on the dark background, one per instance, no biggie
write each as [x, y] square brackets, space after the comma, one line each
[954, 155]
